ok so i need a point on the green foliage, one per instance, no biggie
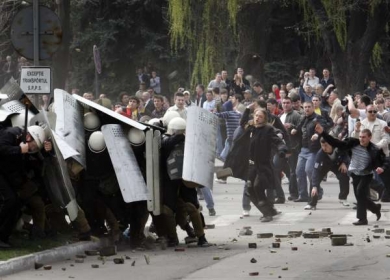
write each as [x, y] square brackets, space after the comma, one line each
[376, 57]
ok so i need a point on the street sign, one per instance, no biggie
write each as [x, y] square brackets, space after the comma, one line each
[50, 33]
[35, 80]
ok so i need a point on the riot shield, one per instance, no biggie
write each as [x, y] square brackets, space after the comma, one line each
[157, 198]
[57, 179]
[128, 173]
[199, 150]
[69, 123]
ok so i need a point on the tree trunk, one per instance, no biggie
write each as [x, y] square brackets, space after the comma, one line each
[61, 58]
[253, 22]
[351, 65]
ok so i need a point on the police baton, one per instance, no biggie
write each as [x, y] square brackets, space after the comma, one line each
[27, 102]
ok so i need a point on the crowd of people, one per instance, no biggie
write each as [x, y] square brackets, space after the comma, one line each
[300, 130]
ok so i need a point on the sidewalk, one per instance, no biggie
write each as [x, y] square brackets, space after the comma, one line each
[49, 256]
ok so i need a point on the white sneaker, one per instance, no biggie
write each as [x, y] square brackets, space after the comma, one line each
[344, 202]
[220, 181]
[245, 213]
[309, 207]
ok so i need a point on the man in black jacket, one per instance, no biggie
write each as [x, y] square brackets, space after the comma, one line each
[366, 157]
[330, 159]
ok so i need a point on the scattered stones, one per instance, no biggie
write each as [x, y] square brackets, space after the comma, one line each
[339, 241]
[329, 230]
[119, 260]
[376, 226]
[253, 273]
[275, 245]
[147, 259]
[311, 235]
[282, 236]
[379, 230]
[38, 265]
[108, 251]
[133, 263]
[127, 257]
[253, 260]
[246, 231]
[312, 229]
[94, 265]
[216, 258]
[247, 227]
[387, 232]
[81, 256]
[376, 236]
[294, 248]
[284, 268]
[252, 245]
[179, 249]
[63, 269]
[273, 251]
[71, 264]
[265, 235]
[278, 240]
[79, 260]
[234, 240]
[295, 233]
[368, 239]
[388, 255]
[91, 252]
[387, 236]
[47, 267]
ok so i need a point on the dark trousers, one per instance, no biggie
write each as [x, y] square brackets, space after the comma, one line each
[292, 163]
[9, 209]
[361, 187]
[256, 193]
[342, 177]
[385, 176]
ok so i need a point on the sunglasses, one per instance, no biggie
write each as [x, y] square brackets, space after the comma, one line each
[372, 112]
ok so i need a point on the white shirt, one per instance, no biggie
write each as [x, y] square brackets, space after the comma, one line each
[283, 118]
[182, 112]
[209, 105]
[312, 81]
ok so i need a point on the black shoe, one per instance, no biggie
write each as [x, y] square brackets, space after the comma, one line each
[280, 200]
[292, 198]
[266, 219]
[378, 212]
[360, 223]
[301, 200]
[212, 212]
[190, 231]
[275, 212]
[202, 242]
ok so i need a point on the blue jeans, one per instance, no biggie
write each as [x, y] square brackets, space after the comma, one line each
[225, 151]
[304, 170]
[208, 197]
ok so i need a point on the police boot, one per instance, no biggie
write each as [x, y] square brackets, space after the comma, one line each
[195, 218]
[202, 242]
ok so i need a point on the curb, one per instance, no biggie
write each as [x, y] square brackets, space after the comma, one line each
[49, 256]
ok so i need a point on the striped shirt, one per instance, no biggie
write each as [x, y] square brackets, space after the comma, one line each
[232, 119]
[360, 160]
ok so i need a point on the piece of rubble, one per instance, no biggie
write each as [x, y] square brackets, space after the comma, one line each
[108, 251]
[387, 236]
[265, 235]
[253, 273]
[216, 258]
[94, 265]
[47, 267]
[38, 265]
[210, 226]
[311, 235]
[327, 230]
[387, 232]
[376, 226]
[91, 252]
[253, 260]
[278, 240]
[127, 257]
[339, 241]
[282, 236]
[388, 255]
[376, 236]
[378, 230]
[147, 259]
[119, 260]
[81, 256]
[78, 260]
[234, 240]
[294, 248]
[246, 232]
[295, 233]
[276, 245]
[252, 245]
[63, 269]
[72, 264]
[272, 251]
[368, 239]
[284, 268]
[133, 263]
[312, 229]
[180, 249]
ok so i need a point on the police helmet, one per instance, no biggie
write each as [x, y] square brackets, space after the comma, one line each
[177, 125]
[38, 134]
[96, 142]
[91, 121]
[136, 136]
[169, 116]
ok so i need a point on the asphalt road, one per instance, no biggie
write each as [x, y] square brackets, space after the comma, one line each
[230, 257]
